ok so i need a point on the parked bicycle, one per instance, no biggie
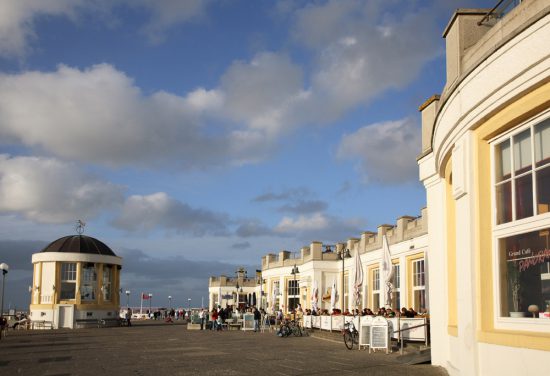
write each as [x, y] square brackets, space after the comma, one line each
[351, 335]
[289, 327]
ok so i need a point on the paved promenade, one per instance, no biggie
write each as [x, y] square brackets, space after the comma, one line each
[167, 349]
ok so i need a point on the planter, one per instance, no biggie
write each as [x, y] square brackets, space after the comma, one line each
[517, 314]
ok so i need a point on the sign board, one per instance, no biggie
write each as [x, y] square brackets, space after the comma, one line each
[316, 321]
[326, 322]
[248, 321]
[307, 321]
[364, 331]
[379, 334]
[415, 334]
[337, 323]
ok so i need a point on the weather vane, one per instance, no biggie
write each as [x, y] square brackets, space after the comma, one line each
[80, 227]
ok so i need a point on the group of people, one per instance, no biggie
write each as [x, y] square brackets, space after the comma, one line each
[218, 317]
[386, 312]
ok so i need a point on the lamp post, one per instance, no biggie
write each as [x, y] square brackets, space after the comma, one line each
[170, 302]
[294, 272]
[189, 307]
[4, 267]
[343, 254]
[127, 299]
[150, 299]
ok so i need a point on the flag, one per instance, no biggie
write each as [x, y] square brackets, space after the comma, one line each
[387, 270]
[145, 296]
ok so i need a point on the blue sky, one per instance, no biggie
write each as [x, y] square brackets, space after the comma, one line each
[196, 136]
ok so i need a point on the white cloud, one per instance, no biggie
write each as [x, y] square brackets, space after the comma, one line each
[50, 191]
[320, 226]
[146, 213]
[17, 17]
[386, 151]
[98, 115]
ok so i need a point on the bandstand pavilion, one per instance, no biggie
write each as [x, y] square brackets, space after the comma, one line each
[76, 281]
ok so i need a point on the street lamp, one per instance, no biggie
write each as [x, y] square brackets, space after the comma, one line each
[150, 299]
[127, 299]
[4, 267]
[294, 272]
[189, 307]
[170, 302]
[343, 254]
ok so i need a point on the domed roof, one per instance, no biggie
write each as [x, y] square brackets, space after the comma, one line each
[79, 244]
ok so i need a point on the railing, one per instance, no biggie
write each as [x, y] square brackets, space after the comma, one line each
[499, 10]
[401, 340]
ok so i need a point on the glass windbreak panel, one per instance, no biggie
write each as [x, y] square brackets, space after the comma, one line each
[522, 152]
[524, 196]
[107, 281]
[89, 282]
[524, 274]
[542, 143]
[502, 161]
[543, 190]
[504, 202]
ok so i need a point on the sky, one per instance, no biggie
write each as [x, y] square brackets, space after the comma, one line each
[194, 137]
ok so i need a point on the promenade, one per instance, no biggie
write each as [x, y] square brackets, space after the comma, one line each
[170, 349]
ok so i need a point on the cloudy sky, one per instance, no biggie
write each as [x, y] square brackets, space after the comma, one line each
[195, 136]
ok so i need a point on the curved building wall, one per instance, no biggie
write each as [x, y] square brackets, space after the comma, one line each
[486, 171]
[74, 289]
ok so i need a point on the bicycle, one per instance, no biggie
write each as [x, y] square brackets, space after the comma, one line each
[351, 335]
[295, 328]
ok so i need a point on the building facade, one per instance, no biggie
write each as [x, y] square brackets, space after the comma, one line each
[320, 269]
[485, 164]
[76, 279]
[239, 291]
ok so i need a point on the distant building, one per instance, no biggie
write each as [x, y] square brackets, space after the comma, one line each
[239, 291]
[76, 281]
[319, 267]
[485, 164]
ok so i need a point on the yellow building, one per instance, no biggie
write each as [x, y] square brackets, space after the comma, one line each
[75, 283]
[486, 168]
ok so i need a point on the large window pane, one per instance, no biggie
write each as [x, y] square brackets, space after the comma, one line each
[504, 202]
[543, 190]
[524, 196]
[502, 161]
[68, 281]
[522, 152]
[524, 273]
[542, 143]
[107, 282]
[89, 282]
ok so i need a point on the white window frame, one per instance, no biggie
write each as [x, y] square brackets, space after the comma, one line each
[536, 222]
[67, 277]
[396, 288]
[415, 286]
[375, 288]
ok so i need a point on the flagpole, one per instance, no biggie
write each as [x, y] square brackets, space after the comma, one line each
[141, 304]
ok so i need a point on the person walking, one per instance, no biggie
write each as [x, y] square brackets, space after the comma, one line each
[201, 317]
[257, 318]
[129, 317]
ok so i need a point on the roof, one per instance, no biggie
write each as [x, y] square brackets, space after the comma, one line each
[79, 244]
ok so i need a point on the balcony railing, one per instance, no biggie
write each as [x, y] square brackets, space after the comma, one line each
[499, 10]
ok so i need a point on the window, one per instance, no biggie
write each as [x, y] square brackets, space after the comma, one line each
[275, 301]
[107, 281]
[88, 282]
[525, 266]
[68, 281]
[419, 286]
[293, 294]
[396, 295]
[521, 181]
[523, 191]
[375, 289]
